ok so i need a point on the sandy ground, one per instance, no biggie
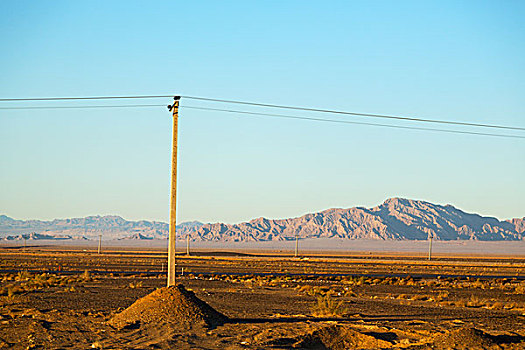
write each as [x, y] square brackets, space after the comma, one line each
[67, 309]
[307, 246]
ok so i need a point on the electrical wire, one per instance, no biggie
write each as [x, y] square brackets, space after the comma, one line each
[83, 98]
[81, 107]
[356, 114]
[422, 120]
[274, 115]
[351, 122]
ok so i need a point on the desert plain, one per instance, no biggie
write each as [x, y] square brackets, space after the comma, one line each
[69, 298]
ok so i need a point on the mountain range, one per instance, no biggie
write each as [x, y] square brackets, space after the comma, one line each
[395, 219]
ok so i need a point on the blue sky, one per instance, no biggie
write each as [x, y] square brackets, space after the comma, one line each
[435, 59]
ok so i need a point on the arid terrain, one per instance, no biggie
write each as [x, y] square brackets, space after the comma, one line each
[63, 299]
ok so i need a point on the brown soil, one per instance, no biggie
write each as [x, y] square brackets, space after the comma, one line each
[122, 311]
[153, 262]
[341, 338]
[172, 307]
[465, 338]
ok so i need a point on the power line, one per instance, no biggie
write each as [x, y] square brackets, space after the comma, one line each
[351, 122]
[422, 120]
[82, 107]
[274, 115]
[356, 114]
[83, 98]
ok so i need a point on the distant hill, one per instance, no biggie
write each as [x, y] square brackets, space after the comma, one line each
[395, 219]
[37, 236]
[110, 227]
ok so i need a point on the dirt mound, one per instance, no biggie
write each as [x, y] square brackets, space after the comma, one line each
[465, 338]
[174, 307]
[341, 338]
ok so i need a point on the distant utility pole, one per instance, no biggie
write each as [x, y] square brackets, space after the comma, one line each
[430, 247]
[99, 243]
[172, 245]
[296, 245]
[188, 245]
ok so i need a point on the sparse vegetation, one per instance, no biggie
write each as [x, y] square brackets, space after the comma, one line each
[328, 306]
[24, 282]
[86, 276]
[520, 289]
[134, 285]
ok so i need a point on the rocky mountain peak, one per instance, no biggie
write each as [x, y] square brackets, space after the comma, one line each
[396, 219]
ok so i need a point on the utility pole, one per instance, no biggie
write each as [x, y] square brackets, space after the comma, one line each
[296, 245]
[430, 248]
[172, 245]
[99, 243]
[188, 245]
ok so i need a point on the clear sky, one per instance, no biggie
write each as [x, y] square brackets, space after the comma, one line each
[454, 60]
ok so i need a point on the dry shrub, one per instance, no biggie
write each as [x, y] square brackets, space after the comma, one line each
[86, 276]
[431, 283]
[475, 302]
[442, 296]
[27, 282]
[360, 281]
[407, 281]
[349, 292]
[327, 306]
[446, 303]
[13, 289]
[96, 345]
[23, 276]
[275, 281]
[479, 284]
[70, 280]
[420, 297]
[387, 281]
[304, 289]
[460, 303]
[520, 289]
[411, 282]
[348, 280]
[510, 306]
[315, 290]
[134, 285]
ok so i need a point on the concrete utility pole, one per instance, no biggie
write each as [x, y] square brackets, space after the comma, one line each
[172, 258]
[188, 245]
[99, 243]
[296, 245]
[430, 248]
